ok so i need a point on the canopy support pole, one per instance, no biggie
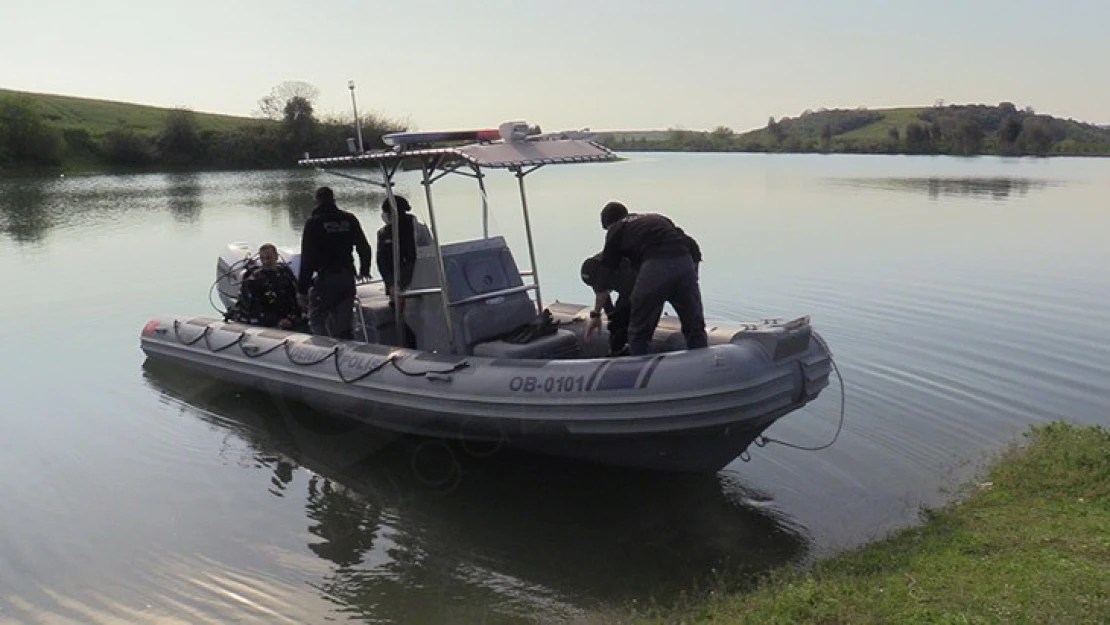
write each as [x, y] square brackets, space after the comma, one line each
[395, 226]
[427, 169]
[485, 201]
[520, 174]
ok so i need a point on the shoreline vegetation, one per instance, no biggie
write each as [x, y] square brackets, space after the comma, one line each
[1030, 544]
[62, 134]
[43, 133]
[954, 129]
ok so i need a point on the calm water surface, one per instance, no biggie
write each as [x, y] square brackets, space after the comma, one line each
[964, 299]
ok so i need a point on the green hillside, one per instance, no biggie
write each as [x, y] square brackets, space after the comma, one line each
[98, 117]
[54, 132]
[954, 129]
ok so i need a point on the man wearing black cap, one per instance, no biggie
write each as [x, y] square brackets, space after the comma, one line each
[326, 284]
[413, 234]
[604, 281]
[665, 260]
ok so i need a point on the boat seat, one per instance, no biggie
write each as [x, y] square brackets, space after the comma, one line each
[487, 297]
[562, 344]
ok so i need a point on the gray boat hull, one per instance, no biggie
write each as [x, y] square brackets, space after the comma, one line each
[684, 410]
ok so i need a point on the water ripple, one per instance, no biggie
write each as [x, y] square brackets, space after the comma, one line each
[136, 498]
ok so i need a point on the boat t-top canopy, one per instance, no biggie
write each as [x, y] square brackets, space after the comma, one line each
[499, 154]
[514, 151]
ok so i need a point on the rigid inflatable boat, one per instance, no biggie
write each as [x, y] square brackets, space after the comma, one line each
[493, 364]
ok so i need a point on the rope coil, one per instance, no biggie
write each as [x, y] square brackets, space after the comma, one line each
[762, 441]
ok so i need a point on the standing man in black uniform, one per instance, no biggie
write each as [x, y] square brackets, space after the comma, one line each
[666, 263]
[326, 284]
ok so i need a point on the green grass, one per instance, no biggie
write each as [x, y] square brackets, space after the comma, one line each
[875, 133]
[879, 131]
[1030, 544]
[100, 116]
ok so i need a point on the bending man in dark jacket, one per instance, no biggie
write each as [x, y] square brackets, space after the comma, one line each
[665, 259]
[327, 277]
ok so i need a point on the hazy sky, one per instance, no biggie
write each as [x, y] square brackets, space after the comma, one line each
[603, 64]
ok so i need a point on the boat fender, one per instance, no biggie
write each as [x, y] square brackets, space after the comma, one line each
[763, 440]
[781, 343]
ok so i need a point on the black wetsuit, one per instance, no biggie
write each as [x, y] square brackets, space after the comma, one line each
[268, 296]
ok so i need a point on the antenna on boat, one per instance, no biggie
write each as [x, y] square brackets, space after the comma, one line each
[358, 122]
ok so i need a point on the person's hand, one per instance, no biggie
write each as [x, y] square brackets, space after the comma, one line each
[285, 324]
[594, 325]
[363, 277]
[302, 299]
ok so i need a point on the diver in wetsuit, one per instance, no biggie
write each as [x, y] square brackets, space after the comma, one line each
[268, 295]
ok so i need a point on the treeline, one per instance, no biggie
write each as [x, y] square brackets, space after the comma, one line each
[954, 129]
[289, 127]
[1002, 129]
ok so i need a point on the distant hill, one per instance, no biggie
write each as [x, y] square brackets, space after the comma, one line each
[954, 129]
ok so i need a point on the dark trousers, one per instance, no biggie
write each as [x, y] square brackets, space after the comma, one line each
[662, 281]
[331, 302]
[619, 316]
[410, 336]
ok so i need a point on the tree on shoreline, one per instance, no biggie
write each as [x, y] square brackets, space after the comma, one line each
[180, 143]
[273, 105]
[299, 132]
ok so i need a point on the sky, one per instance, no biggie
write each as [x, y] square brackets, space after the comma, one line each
[567, 64]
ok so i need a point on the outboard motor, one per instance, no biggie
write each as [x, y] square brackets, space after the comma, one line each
[229, 272]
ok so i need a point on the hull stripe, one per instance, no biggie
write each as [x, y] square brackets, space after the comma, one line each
[650, 370]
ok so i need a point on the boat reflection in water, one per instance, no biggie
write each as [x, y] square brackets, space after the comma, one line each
[409, 521]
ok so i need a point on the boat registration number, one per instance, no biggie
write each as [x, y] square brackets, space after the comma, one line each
[548, 384]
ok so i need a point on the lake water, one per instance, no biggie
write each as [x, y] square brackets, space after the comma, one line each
[964, 299]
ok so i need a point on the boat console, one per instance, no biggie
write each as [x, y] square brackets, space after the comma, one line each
[486, 300]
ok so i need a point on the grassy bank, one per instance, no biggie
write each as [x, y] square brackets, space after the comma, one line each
[1031, 544]
[99, 117]
[49, 134]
